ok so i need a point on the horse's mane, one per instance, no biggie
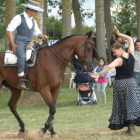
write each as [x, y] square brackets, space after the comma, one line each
[67, 38]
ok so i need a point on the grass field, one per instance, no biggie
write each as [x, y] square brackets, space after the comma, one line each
[71, 123]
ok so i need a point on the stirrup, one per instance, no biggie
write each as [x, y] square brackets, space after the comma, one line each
[20, 81]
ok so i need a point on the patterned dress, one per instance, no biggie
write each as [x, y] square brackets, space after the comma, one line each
[126, 97]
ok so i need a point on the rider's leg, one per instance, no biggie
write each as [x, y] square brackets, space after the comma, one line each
[21, 54]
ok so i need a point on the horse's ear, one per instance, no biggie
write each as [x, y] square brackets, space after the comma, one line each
[90, 34]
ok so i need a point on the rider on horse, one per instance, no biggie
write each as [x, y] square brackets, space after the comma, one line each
[26, 26]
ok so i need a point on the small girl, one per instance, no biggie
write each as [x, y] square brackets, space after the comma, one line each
[102, 80]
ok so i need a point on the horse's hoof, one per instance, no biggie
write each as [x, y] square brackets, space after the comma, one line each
[55, 136]
[41, 133]
[22, 134]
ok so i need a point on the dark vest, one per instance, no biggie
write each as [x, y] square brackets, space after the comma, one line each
[23, 29]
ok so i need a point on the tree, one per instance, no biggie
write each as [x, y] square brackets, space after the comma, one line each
[66, 27]
[138, 18]
[100, 28]
[124, 16]
[2, 16]
[54, 23]
[10, 11]
[108, 26]
[45, 18]
[86, 29]
[66, 18]
[39, 18]
[77, 16]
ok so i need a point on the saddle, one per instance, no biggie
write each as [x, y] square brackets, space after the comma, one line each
[10, 59]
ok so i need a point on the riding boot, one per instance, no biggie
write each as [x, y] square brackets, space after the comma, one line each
[23, 83]
[131, 130]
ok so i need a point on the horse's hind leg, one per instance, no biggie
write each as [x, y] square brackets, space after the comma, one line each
[12, 105]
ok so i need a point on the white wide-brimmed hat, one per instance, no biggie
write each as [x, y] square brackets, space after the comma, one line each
[33, 5]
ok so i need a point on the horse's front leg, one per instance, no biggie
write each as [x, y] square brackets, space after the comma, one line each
[55, 93]
[49, 123]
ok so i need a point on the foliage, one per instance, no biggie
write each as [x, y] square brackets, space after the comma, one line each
[86, 29]
[124, 16]
[19, 9]
[53, 23]
[2, 45]
[85, 12]
[2, 15]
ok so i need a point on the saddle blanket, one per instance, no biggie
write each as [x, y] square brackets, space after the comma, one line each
[11, 58]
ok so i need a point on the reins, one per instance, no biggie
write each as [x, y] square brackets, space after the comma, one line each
[69, 66]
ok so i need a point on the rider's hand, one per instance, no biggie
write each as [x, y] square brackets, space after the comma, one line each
[44, 37]
[14, 47]
[41, 36]
[117, 31]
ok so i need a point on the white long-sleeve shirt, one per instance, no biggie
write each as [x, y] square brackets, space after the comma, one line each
[16, 21]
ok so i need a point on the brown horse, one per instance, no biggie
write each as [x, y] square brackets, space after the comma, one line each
[48, 73]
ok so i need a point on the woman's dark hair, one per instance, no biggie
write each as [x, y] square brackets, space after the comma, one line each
[101, 58]
[119, 44]
[115, 36]
[128, 33]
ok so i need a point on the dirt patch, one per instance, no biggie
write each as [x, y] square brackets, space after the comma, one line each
[13, 135]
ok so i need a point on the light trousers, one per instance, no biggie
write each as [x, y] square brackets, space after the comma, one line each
[101, 88]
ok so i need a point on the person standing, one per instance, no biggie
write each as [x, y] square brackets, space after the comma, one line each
[26, 26]
[102, 81]
[136, 72]
[112, 41]
[126, 94]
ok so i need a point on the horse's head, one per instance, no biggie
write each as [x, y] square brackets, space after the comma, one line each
[84, 52]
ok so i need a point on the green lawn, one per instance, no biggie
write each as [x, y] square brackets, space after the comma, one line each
[79, 123]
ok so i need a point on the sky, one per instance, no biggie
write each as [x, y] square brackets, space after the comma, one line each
[89, 4]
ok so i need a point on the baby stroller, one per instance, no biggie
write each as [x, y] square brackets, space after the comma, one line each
[86, 94]
[84, 86]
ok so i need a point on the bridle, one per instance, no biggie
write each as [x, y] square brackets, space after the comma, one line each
[84, 63]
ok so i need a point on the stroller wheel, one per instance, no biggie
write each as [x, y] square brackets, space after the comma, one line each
[80, 103]
[95, 102]
[76, 103]
[91, 103]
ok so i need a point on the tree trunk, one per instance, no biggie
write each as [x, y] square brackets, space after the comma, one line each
[100, 28]
[66, 18]
[66, 29]
[45, 18]
[108, 26]
[138, 18]
[77, 16]
[10, 11]
[39, 19]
